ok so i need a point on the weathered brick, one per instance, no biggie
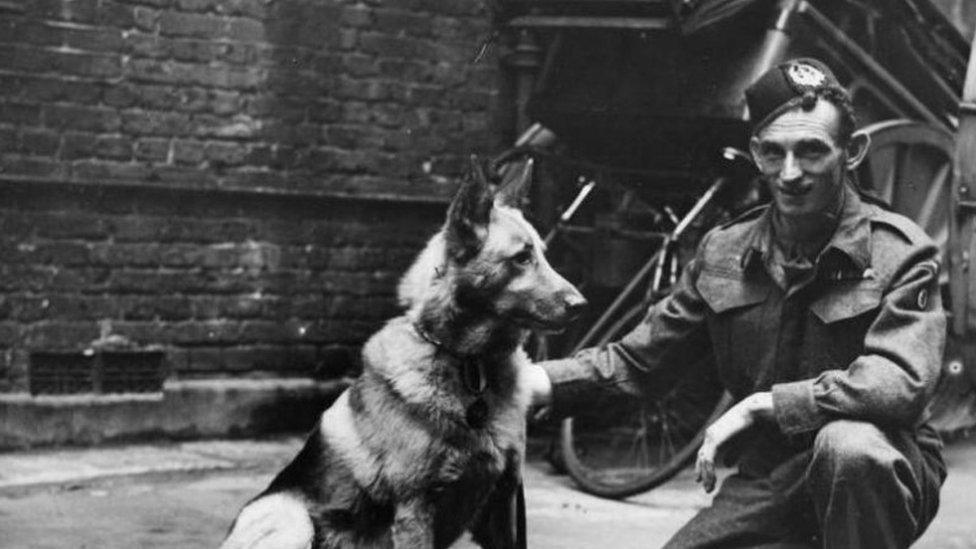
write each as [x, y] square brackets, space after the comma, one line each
[78, 117]
[152, 148]
[142, 122]
[93, 39]
[149, 281]
[79, 11]
[125, 255]
[27, 308]
[8, 138]
[233, 307]
[68, 253]
[187, 152]
[358, 16]
[225, 102]
[80, 307]
[10, 333]
[189, 24]
[60, 335]
[393, 21]
[239, 53]
[225, 153]
[20, 113]
[201, 51]
[203, 332]
[245, 30]
[152, 46]
[78, 145]
[76, 225]
[116, 15]
[145, 19]
[165, 308]
[83, 63]
[39, 142]
[32, 166]
[121, 95]
[197, 5]
[115, 147]
[250, 8]
[108, 170]
[51, 89]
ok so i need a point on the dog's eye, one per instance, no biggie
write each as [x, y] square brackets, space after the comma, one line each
[523, 258]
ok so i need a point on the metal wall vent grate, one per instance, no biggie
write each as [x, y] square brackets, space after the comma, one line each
[102, 372]
[61, 374]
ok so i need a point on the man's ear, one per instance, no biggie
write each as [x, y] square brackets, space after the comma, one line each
[468, 215]
[754, 151]
[516, 180]
[857, 149]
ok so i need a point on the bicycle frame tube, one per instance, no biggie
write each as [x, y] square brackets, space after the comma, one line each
[678, 232]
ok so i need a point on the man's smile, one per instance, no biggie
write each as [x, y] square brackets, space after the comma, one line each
[794, 190]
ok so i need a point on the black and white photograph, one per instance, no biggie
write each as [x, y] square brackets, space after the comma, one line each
[499, 274]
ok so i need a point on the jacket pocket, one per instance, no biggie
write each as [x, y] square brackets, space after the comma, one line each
[847, 301]
[724, 292]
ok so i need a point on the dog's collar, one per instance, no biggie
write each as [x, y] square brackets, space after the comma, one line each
[473, 378]
[472, 366]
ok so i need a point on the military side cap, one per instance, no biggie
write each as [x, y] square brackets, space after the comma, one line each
[787, 85]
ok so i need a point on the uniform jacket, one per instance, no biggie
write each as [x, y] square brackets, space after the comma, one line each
[861, 339]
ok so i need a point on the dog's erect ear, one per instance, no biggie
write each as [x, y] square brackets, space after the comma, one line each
[467, 217]
[516, 178]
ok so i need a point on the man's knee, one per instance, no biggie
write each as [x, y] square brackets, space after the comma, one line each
[855, 449]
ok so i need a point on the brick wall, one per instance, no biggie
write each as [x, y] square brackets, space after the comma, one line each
[240, 181]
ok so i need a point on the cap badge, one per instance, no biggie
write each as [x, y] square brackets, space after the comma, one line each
[805, 75]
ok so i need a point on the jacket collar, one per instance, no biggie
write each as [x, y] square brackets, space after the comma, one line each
[851, 239]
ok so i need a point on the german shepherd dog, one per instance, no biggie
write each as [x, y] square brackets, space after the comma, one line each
[429, 441]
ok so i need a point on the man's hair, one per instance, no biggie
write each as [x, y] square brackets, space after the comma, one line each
[845, 108]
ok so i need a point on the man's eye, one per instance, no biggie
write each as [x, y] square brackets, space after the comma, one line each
[523, 258]
[812, 150]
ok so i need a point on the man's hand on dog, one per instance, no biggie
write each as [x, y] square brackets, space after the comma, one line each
[539, 385]
[736, 419]
[273, 522]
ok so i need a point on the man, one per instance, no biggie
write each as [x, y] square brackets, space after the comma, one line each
[822, 311]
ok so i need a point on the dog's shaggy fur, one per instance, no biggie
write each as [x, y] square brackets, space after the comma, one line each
[429, 441]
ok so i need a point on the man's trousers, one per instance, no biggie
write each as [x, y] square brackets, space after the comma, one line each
[855, 486]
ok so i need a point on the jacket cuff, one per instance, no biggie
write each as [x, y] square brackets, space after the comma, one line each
[569, 386]
[795, 408]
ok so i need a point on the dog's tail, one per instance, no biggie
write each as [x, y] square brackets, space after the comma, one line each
[277, 521]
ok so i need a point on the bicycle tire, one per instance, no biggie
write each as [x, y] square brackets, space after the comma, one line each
[595, 476]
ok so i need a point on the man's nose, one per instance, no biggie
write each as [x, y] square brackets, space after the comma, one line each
[790, 169]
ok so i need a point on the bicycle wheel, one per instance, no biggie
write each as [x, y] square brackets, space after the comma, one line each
[633, 448]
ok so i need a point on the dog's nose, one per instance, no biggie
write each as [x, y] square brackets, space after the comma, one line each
[575, 304]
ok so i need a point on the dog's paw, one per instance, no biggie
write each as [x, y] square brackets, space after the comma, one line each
[278, 521]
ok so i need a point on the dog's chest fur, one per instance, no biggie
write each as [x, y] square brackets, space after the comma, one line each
[402, 427]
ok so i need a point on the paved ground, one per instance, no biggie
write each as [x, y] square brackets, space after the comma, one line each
[184, 496]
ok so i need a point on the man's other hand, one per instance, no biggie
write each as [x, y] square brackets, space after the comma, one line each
[736, 419]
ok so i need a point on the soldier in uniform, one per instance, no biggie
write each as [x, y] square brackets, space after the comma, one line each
[822, 311]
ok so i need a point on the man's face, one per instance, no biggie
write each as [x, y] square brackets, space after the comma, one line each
[802, 162]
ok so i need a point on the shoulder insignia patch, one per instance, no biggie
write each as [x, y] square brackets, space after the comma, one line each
[922, 300]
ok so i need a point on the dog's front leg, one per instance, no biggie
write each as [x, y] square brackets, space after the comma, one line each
[413, 525]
